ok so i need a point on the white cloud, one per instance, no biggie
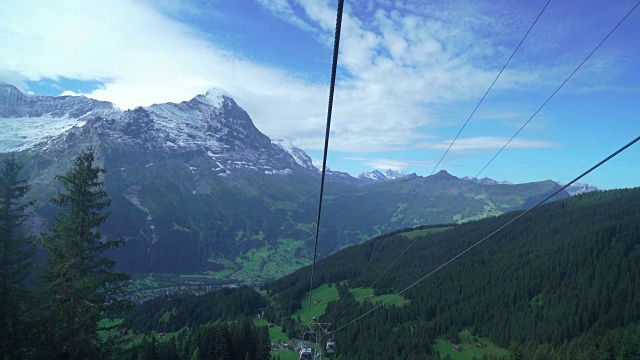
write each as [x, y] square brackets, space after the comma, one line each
[391, 163]
[283, 10]
[486, 143]
[143, 57]
[396, 66]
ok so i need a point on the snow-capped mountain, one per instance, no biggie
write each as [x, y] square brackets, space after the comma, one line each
[298, 155]
[575, 189]
[486, 181]
[27, 120]
[578, 188]
[378, 176]
[16, 104]
[210, 126]
[195, 186]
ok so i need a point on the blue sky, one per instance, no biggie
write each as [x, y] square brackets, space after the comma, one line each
[409, 75]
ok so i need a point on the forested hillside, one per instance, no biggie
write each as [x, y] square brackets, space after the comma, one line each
[167, 314]
[568, 270]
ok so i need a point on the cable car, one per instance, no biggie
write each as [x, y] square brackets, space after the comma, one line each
[306, 354]
[331, 347]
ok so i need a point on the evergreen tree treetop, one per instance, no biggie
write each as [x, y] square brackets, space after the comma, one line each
[79, 283]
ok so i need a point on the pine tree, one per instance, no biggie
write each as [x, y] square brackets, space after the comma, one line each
[16, 254]
[263, 348]
[79, 283]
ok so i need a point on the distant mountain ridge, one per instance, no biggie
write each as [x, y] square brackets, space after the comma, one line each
[573, 189]
[486, 181]
[196, 187]
[14, 103]
[579, 188]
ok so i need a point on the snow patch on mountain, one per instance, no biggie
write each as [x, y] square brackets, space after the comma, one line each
[578, 188]
[25, 132]
[298, 155]
[486, 181]
[215, 97]
[379, 176]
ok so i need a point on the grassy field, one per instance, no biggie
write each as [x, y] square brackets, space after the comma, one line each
[105, 325]
[324, 294]
[422, 232]
[276, 335]
[132, 338]
[366, 293]
[275, 332]
[271, 262]
[469, 348]
[286, 354]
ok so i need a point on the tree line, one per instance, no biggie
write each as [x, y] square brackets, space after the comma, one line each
[238, 340]
[172, 313]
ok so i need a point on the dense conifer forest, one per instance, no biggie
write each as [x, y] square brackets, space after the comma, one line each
[564, 275]
[235, 341]
[167, 314]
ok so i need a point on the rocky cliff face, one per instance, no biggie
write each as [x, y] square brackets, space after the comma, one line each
[14, 104]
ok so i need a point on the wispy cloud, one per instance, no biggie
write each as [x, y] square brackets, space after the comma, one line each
[486, 143]
[398, 62]
[390, 163]
[283, 10]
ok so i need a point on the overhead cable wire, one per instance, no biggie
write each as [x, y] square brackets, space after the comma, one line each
[491, 86]
[334, 66]
[495, 231]
[379, 276]
[579, 66]
[558, 89]
[454, 140]
[361, 273]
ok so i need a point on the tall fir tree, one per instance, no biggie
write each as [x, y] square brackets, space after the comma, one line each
[16, 254]
[79, 283]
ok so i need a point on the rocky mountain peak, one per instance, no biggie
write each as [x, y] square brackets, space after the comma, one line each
[486, 181]
[14, 103]
[210, 132]
[298, 155]
[578, 188]
[10, 99]
[379, 176]
[443, 174]
[214, 97]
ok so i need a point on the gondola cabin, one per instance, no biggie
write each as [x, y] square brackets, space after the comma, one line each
[331, 347]
[306, 354]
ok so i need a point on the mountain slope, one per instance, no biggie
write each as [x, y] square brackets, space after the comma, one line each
[567, 269]
[196, 187]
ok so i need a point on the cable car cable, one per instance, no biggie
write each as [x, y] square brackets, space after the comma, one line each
[491, 86]
[495, 231]
[558, 89]
[540, 108]
[359, 276]
[334, 66]
[450, 145]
